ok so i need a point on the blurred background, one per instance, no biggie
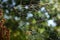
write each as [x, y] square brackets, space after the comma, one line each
[32, 19]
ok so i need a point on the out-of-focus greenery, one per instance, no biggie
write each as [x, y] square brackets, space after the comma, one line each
[32, 19]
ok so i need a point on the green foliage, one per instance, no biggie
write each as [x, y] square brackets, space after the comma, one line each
[27, 20]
